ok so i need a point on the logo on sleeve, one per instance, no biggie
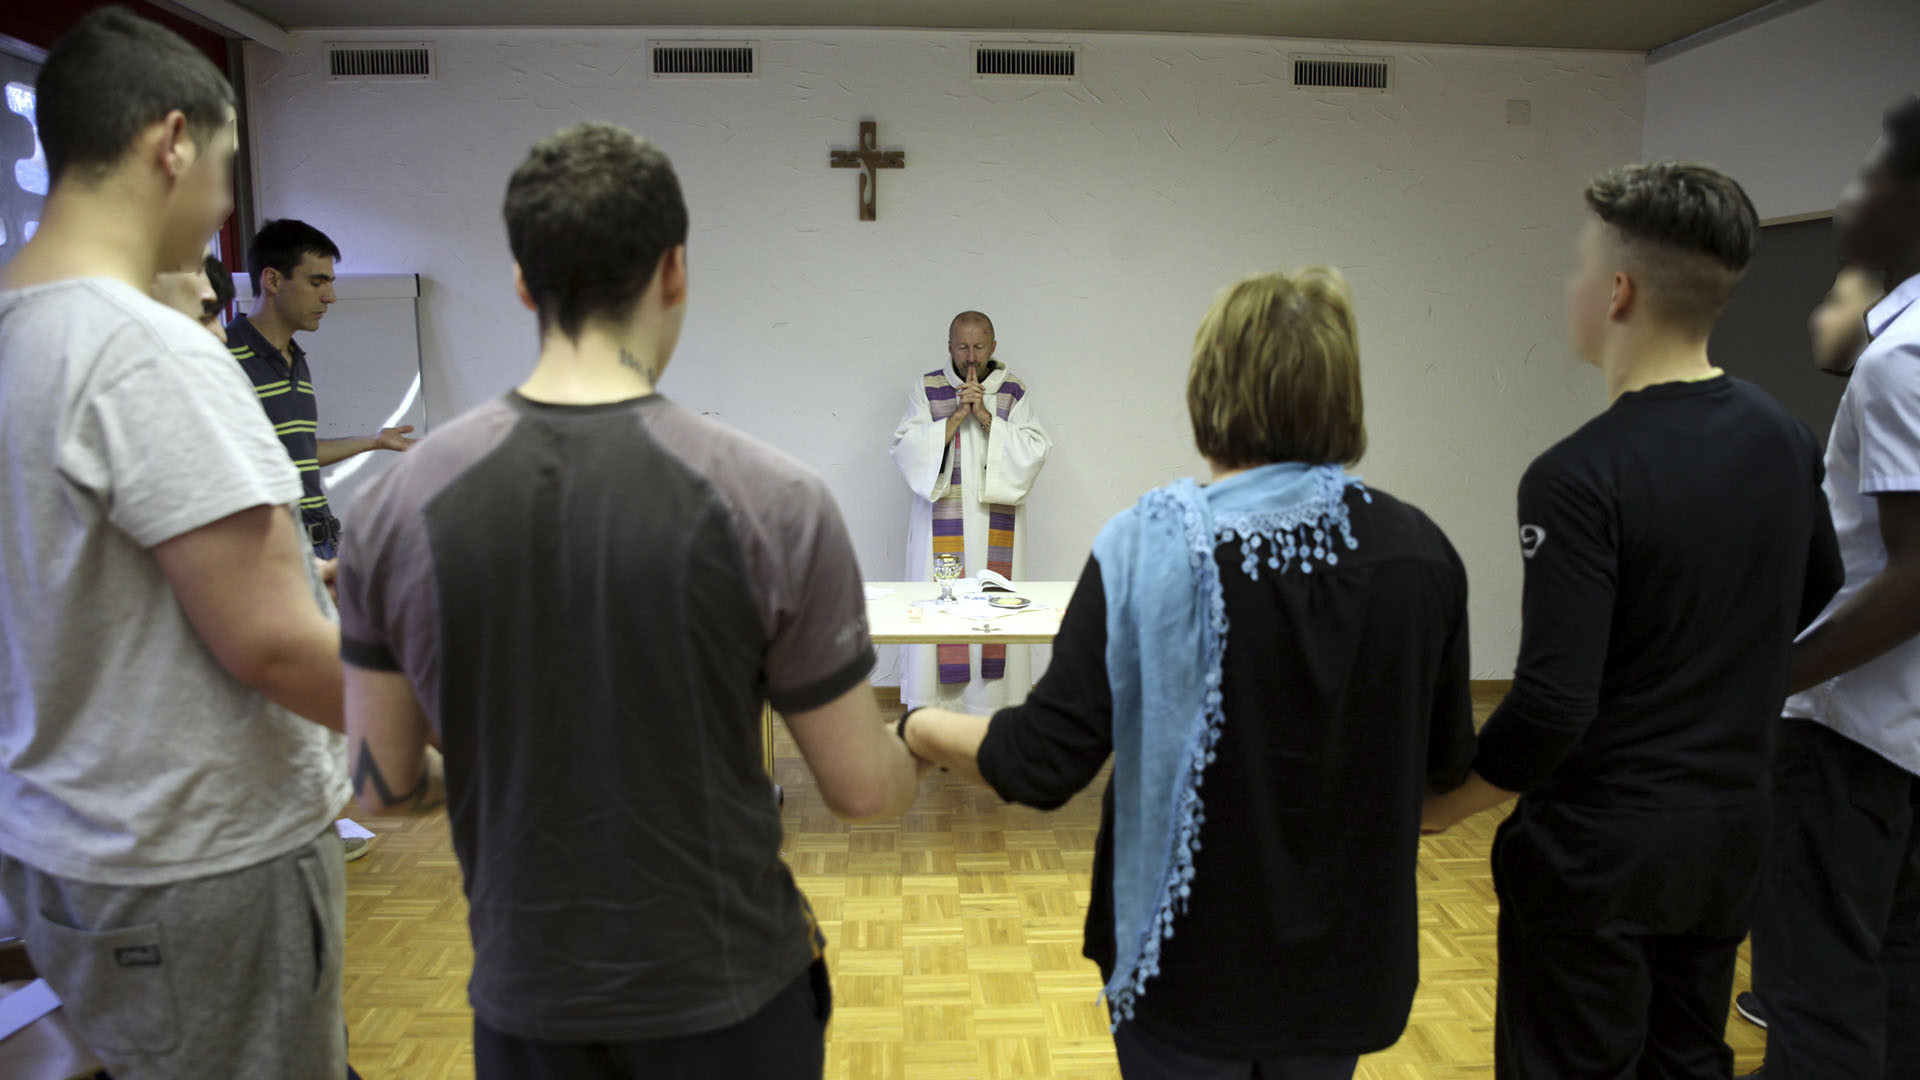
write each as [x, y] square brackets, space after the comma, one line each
[1531, 539]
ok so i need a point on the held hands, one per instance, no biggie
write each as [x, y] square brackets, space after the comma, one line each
[1443, 811]
[394, 438]
[921, 765]
[329, 571]
[1435, 817]
[435, 768]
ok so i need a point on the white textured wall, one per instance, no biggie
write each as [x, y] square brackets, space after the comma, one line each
[1788, 106]
[1093, 221]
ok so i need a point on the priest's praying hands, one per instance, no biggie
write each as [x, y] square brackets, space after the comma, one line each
[972, 402]
[980, 411]
[973, 406]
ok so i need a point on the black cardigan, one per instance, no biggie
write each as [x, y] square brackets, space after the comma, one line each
[1346, 702]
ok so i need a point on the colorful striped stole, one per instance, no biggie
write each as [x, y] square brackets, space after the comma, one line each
[949, 523]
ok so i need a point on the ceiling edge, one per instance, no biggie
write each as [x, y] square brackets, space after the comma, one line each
[1721, 31]
[1026, 34]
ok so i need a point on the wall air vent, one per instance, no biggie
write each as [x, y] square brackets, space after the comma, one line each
[1367, 74]
[411, 61]
[705, 60]
[1013, 61]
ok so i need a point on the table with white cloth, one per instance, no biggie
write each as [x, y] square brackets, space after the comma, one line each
[888, 622]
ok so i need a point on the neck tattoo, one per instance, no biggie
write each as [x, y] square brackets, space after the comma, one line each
[632, 363]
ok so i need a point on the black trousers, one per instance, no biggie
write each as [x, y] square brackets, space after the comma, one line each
[1618, 935]
[1836, 944]
[1144, 1057]
[786, 1040]
[1611, 1005]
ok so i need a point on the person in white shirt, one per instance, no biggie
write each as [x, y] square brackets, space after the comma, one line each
[1836, 945]
[970, 448]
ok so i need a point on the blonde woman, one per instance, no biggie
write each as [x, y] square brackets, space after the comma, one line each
[1277, 663]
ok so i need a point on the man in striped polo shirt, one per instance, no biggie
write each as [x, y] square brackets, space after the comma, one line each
[292, 267]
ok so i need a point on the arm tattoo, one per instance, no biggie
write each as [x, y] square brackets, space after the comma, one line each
[366, 769]
[629, 360]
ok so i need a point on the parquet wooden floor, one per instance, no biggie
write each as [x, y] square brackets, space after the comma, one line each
[955, 945]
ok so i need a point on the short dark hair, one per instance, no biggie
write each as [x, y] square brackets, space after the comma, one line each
[110, 78]
[221, 280]
[281, 244]
[1902, 128]
[589, 214]
[1689, 228]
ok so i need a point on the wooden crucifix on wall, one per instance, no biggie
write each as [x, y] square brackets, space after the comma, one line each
[867, 159]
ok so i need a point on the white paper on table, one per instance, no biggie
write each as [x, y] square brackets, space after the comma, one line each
[979, 606]
[350, 829]
[875, 592]
[25, 1005]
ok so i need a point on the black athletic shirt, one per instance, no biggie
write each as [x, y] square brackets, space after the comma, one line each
[1346, 700]
[1674, 546]
[591, 603]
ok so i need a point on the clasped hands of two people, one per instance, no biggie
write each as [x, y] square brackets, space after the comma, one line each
[1444, 810]
[1435, 817]
[1440, 812]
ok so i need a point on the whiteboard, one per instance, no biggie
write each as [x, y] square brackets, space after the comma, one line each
[365, 360]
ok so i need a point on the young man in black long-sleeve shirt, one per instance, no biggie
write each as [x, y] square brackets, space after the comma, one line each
[1674, 546]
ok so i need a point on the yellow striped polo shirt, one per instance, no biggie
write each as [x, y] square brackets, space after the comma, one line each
[286, 392]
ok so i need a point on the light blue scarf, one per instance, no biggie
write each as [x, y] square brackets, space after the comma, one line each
[1166, 635]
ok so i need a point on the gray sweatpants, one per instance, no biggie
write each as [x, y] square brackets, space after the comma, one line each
[235, 975]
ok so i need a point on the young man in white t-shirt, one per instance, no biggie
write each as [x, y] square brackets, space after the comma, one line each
[168, 671]
[1836, 946]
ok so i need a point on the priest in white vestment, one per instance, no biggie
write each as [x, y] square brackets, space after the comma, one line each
[969, 448]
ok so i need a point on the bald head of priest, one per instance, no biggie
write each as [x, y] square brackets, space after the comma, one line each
[970, 343]
[970, 448]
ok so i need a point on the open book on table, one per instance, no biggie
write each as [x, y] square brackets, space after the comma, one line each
[990, 596]
[992, 582]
